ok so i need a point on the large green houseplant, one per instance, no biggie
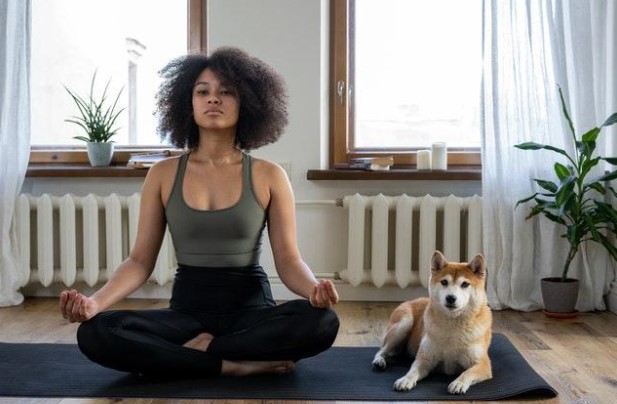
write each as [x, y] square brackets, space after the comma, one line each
[576, 200]
[97, 117]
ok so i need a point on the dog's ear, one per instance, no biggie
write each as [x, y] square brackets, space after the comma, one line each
[438, 262]
[478, 265]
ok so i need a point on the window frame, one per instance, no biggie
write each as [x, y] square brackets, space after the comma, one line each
[74, 154]
[341, 105]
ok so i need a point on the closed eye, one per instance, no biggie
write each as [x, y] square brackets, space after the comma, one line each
[229, 92]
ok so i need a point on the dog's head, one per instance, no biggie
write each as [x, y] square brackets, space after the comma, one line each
[457, 287]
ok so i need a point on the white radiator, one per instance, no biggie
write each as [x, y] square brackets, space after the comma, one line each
[392, 238]
[68, 239]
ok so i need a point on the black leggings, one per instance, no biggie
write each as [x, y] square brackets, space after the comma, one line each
[235, 305]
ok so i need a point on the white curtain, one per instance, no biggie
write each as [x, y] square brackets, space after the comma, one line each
[14, 134]
[530, 48]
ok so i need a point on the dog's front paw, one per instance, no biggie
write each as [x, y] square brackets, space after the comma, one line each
[459, 386]
[379, 363]
[405, 383]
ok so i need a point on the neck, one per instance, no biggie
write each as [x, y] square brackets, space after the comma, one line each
[217, 153]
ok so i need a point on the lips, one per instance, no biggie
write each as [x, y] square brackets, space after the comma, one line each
[213, 112]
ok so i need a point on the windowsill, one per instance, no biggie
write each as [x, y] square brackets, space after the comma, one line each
[78, 170]
[453, 173]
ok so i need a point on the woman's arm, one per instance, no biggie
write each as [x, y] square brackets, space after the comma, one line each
[290, 266]
[138, 266]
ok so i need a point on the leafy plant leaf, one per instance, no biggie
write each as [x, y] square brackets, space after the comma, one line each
[561, 171]
[586, 148]
[610, 160]
[587, 165]
[526, 199]
[566, 115]
[548, 185]
[529, 146]
[598, 187]
[610, 120]
[591, 135]
[557, 150]
[607, 177]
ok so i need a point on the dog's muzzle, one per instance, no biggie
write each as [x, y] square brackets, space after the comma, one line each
[451, 302]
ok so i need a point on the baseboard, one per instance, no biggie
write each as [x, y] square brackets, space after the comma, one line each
[361, 293]
[279, 291]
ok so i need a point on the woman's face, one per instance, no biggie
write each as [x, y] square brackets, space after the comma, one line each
[216, 105]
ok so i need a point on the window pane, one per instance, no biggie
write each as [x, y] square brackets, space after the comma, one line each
[417, 71]
[125, 41]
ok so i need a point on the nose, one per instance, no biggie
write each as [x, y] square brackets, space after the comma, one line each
[450, 299]
[214, 100]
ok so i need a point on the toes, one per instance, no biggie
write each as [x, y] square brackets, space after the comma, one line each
[379, 363]
[458, 387]
[404, 384]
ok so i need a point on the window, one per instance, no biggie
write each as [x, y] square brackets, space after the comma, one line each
[405, 74]
[126, 42]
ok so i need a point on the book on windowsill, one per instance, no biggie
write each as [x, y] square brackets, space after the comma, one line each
[147, 160]
[371, 163]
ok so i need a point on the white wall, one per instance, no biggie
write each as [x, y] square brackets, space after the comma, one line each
[292, 36]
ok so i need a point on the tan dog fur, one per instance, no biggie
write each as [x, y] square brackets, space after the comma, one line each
[452, 328]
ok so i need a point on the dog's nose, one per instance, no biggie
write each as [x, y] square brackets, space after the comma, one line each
[450, 299]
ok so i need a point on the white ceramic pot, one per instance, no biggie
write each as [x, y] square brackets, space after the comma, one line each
[100, 153]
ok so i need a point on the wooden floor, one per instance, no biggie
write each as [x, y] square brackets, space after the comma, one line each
[577, 357]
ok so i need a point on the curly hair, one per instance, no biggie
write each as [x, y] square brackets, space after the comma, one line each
[263, 98]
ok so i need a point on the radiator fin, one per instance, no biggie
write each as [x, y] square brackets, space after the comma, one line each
[390, 248]
[68, 239]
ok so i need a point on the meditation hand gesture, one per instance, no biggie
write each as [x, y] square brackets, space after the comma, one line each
[324, 294]
[77, 307]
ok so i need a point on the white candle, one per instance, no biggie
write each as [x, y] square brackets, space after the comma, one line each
[423, 159]
[439, 156]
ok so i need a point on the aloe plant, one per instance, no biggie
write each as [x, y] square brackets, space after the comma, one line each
[96, 117]
[573, 200]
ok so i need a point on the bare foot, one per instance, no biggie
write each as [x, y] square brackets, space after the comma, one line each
[245, 368]
[200, 342]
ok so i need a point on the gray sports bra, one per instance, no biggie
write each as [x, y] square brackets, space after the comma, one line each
[229, 237]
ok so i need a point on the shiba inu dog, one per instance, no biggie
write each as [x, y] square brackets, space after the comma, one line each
[450, 330]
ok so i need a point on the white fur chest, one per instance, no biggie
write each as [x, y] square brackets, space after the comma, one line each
[456, 346]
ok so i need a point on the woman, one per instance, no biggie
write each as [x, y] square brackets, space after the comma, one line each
[216, 200]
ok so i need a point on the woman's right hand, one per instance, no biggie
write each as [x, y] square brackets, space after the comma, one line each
[77, 307]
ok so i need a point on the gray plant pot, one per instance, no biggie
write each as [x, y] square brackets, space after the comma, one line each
[100, 153]
[559, 296]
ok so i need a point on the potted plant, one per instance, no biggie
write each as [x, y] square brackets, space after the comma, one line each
[576, 202]
[97, 118]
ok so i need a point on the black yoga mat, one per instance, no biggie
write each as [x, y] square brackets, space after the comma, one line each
[341, 373]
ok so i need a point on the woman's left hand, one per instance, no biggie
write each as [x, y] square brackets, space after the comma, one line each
[324, 294]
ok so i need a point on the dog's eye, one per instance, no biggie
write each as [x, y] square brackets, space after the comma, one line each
[464, 285]
[444, 282]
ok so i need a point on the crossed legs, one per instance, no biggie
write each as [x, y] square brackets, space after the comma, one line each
[170, 342]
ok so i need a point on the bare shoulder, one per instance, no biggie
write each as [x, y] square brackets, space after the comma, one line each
[167, 165]
[161, 176]
[266, 171]
[270, 182]
[163, 170]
